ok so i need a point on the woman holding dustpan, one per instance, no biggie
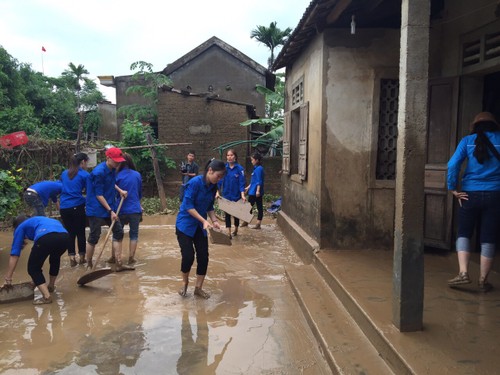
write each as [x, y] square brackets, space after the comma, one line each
[192, 224]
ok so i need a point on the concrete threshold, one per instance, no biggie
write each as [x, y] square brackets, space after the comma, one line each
[461, 326]
[346, 349]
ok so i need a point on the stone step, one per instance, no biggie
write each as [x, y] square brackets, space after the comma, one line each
[364, 321]
[345, 347]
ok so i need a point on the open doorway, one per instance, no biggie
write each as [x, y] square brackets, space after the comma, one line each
[491, 94]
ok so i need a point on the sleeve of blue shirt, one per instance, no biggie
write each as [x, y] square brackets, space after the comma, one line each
[455, 163]
[98, 182]
[258, 176]
[189, 193]
[18, 241]
[242, 180]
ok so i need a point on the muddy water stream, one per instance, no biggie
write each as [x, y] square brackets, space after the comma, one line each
[134, 322]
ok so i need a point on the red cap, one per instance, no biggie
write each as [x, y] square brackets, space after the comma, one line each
[115, 154]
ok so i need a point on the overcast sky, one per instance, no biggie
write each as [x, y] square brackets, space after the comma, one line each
[106, 36]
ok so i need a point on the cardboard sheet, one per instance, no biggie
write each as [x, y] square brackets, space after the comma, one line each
[239, 209]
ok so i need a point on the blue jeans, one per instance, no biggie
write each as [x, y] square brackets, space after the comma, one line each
[133, 221]
[483, 208]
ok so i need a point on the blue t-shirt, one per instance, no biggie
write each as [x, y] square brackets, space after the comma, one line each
[101, 182]
[71, 194]
[477, 177]
[130, 181]
[257, 180]
[233, 183]
[200, 196]
[34, 228]
[47, 190]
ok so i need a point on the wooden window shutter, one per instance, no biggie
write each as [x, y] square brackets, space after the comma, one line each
[285, 167]
[303, 130]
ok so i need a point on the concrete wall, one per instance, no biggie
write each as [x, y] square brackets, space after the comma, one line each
[301, 199]
[108, 129]
[361, 209]
[460, 17]
[204, 123]
[229, 77]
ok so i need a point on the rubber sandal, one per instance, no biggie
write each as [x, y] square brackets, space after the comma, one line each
[131, 260]
[484, 286]
[201, 293]
[42, 301]
[461, 279]
[51, 289]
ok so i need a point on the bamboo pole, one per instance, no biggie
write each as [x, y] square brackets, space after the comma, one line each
[156, 167]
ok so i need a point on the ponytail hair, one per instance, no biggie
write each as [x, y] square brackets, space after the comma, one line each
[74, 164]
[129, 162]
[258, 157]
[484, 122]
[215, 165]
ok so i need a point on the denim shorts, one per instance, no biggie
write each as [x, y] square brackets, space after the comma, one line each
[133, 221]
[481, 209]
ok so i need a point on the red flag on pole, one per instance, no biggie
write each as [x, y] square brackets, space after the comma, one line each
[43, 49]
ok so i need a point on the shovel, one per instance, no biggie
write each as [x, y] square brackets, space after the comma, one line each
[97, 274]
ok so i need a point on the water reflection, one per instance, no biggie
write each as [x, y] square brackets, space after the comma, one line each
[136, 323]
[194, 354]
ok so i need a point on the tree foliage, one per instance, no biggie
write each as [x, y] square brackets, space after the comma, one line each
[134, 133]
[45, 106]
[272, 37]
[270, 141]
[146, 85]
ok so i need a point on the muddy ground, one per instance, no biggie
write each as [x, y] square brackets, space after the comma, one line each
[135, 322]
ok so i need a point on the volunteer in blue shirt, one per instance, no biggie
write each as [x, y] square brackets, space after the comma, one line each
[50, 241]
[232, 187]
[191, 224]
[37, 196]
[130, 180]
[479, 196]
[101, 205]
[72, 205]
[256, 188]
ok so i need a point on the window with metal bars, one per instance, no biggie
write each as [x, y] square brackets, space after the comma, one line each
[387, 129]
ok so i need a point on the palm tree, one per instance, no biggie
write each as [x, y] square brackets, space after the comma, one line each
[75, 75]
[272, 37]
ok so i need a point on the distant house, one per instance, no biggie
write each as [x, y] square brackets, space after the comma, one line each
[213, 91]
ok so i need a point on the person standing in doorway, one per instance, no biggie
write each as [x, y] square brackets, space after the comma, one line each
[101, 205]
[256, 188]
[192, 224]
[479, 196]
[232, 187]
[189, 170]
[37, 196]
[130, 180]
[72, 205]
[50, 240]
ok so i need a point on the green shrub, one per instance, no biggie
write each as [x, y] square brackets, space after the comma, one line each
[10, 194]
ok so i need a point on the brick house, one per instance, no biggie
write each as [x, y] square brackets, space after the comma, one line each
[213, 91]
